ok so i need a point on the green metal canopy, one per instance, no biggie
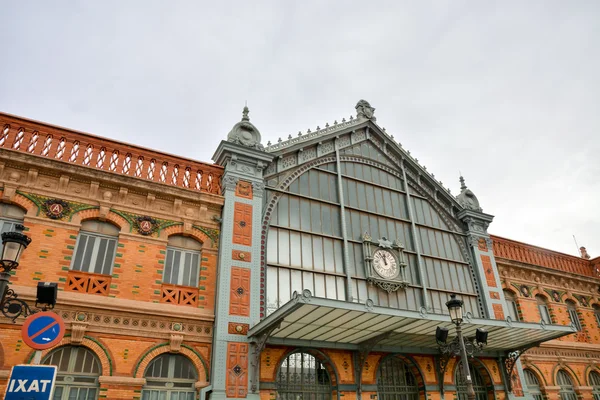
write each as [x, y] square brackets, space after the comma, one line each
[312, 321]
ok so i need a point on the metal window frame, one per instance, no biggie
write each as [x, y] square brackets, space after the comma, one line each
[95, 249]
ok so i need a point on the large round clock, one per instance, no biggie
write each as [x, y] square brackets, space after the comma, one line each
[385, 264]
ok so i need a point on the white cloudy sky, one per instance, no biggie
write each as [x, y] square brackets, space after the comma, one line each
[505, 91]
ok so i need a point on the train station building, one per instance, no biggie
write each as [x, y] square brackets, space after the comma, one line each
[318, 267]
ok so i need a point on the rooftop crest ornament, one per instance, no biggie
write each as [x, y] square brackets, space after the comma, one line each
[364, 110]
[467, 198]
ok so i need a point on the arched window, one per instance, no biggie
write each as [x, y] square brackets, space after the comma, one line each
[10, 215]
[597, 314]
[170, 377]
[182, 262]
[566, 390]
[511, 303]
[479, 385]
[594, 382]
[302, 376]
[395, 381]
[533, 384]
[572, 308]
[543, 309]
[78, 372]
[95, 248]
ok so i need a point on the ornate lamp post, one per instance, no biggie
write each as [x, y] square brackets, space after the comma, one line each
[10, 305]
[459, 346]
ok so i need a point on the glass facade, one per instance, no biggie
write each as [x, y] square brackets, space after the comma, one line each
[315, 238]
[533, 384]
[170, 377]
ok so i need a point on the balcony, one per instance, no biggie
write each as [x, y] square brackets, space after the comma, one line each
[181, 295]
[85, 282]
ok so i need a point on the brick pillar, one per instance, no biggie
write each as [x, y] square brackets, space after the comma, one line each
[239, 269]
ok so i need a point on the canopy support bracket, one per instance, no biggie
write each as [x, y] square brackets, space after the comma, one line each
[360, 358]
[257, 345]
[511, 360]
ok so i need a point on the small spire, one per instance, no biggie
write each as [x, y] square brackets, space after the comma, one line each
[245, 116]
[462, 182]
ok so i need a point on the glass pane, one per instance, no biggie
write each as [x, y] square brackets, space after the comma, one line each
[79, 252]
[100, 255]
[110, 256]
[89, 252]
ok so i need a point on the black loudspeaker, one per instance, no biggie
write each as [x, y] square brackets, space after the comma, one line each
[441, 334]
[481, 336]
[46, 293]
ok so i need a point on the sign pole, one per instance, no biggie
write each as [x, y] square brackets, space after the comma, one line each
[37, 358]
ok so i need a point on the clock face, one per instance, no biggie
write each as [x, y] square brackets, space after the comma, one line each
[385, 264]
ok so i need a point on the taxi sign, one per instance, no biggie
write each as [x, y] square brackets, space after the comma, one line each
[31, 382]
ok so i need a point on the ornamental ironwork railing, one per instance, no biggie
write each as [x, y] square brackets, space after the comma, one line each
[525, 253]
[51, 142]
[86, 282]
[182, 295]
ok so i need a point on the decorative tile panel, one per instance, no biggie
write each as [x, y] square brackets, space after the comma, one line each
[498, 312]
[239, 297]
[242, 224]
[482, 244]
[486, 262]
[237, 370]
[245, 256]
[244, 189]
[235, 328]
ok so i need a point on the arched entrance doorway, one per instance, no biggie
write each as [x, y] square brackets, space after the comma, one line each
[302, 377]
[395, 381]
[480, 384]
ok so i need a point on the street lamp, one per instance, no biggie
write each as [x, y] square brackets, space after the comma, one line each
[459, 346]
[10, 305]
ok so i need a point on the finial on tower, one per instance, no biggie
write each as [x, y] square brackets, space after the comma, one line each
[245, 116]
[462, 182]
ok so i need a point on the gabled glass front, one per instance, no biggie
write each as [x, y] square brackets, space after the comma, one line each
[308, 247]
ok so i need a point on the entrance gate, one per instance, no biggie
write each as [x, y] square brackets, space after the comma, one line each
[302, 377]
[395, 381]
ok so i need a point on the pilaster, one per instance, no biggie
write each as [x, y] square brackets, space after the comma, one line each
[239, 270]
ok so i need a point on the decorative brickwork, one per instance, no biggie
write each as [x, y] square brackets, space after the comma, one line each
[242, 224]
[244, 189]
[237, 370]
[239, 297]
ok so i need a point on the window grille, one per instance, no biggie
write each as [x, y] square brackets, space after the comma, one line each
[170, 377]
[479, 385]
[78, 372]
[543, 309]
[566, 391]
[533, 385]
[512, 305]
[395, 381]
[573, 315]
[302, 377]
[595, 384]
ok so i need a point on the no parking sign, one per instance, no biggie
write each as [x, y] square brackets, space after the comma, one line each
[43, 330]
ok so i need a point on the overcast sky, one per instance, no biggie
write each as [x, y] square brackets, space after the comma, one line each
[507, 92]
